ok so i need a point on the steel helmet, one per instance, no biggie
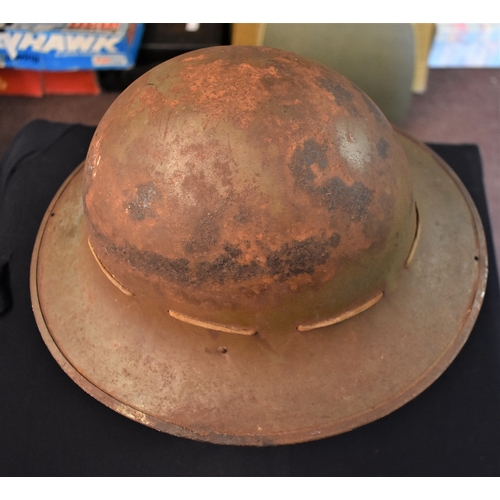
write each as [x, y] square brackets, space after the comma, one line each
[252, 254]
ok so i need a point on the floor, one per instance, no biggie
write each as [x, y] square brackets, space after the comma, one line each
[460, 106]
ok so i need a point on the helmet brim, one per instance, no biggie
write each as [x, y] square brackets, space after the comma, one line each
[275, 387]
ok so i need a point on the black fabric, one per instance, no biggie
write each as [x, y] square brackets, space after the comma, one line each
[50, 427]
[30, 156]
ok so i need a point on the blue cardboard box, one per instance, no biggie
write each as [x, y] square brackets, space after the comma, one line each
[70, 46]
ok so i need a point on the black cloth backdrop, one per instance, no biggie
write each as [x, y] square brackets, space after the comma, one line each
[51, 427]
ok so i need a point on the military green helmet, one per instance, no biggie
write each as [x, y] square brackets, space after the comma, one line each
[249, 188]
[251, 254]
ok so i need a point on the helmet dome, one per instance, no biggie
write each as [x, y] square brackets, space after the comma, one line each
[245, 188]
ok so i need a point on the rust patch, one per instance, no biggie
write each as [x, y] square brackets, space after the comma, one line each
[173, 270]
[334, 193]
[291, 259]
[243, 216]
[311, 153]
[382, 148]
[141, 205]
[225, 267]
[354, 199]
[343, 97]
[207, 235]
[300, 257]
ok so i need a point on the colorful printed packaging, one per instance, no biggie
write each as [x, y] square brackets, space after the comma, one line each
[70, 46]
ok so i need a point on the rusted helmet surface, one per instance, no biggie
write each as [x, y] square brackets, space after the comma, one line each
[249, 187]
[252, 255]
